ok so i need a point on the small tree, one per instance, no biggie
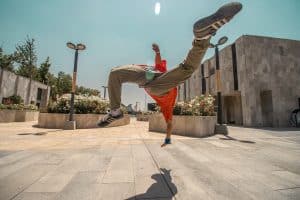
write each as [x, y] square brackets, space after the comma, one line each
[63, 83]
[52, 82]
[43, 71]
[26, 57]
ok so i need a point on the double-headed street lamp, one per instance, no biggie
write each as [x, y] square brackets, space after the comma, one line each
[77, 47]
[221, 41]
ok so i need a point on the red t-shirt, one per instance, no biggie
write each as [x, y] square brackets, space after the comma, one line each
[167, 101]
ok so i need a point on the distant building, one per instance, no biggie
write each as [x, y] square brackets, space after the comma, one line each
[260, 79]
[32, 92]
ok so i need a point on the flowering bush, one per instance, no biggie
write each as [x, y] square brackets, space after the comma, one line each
[82, 105]
[199, 106]
[18, 107]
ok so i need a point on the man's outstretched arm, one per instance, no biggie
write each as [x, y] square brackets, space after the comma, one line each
[155, 48]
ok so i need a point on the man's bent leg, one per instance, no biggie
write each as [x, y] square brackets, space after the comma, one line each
[123, 74]
[183, 71]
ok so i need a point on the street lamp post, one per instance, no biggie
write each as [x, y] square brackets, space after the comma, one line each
[220, 128]
[79, 47]
[105, 87]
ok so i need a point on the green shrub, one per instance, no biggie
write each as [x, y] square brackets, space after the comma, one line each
[199, 106]
[82, 105]
[18, 107]
[14, 99]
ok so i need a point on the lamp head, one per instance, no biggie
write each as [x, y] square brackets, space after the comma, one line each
[222, 40]
[80, 46]
[71, 45]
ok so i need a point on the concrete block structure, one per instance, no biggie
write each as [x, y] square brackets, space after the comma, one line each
[260, 79]
[32, 92]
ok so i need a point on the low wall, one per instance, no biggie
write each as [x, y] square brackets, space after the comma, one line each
[18, 115]
[142, 117]
[196, 126]
[57, 120]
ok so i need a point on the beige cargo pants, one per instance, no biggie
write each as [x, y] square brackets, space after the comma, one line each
[161, 83]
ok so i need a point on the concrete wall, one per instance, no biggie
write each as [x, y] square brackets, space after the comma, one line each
[18, 115]
[268, 71]
[195, 126]
[269, 64]
[12, 84]
[83, 121]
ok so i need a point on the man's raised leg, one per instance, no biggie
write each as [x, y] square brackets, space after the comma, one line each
[118, 76]
[203, 30]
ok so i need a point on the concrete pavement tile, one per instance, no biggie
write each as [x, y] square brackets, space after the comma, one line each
[179, 178]
[207, 177]
[140, 152]
[235, 169]
[96, 163]
[12, 167]
[15, 183]
[119, 170]
[105, 150]
[4, 153]
[74, 163]
[289, 176]
[14, 157]
[186, 186]
[257, 190]
[217, 143]
[164, 158]
[34, 196]
[84, 185]
[88, 177]
[51, 183]
[117, 191]
[191, 152]
[144, 167]
[292, 194]
[52, 159]
[142, 161]
[123, 150]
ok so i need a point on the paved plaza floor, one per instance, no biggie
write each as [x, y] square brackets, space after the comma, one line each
[128, 163]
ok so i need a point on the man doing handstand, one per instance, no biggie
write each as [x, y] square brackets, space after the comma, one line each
[160, 84]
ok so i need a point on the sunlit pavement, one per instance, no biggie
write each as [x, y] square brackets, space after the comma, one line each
[128, 163]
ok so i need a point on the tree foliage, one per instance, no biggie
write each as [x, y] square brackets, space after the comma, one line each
[63, 83]
[87, 91]
[43, 71]
[25, 56]
[6, 61]
[25, 60]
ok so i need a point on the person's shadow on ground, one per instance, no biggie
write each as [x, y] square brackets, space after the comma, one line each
[162, 188]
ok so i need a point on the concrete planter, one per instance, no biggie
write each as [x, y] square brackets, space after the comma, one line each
[196, 126]
[57, 120]
[142, 117]
[18, 115]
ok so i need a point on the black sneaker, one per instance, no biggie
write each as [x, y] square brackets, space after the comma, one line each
[208, 26]
[108, 119]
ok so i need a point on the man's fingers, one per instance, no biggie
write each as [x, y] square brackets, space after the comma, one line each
[155, 47]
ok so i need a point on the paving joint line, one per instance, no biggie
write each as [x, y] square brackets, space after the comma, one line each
[157, 166]
[291, 188]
